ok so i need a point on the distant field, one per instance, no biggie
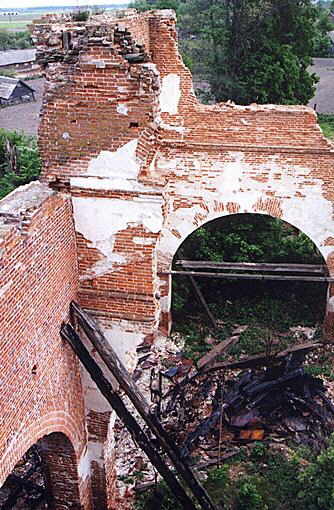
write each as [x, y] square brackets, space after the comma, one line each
[17, 23]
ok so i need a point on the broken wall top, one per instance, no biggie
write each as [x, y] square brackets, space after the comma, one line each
[112, 80]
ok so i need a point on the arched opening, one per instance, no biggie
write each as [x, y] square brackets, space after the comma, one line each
[244, 399]
[45, 478]
[288, 293]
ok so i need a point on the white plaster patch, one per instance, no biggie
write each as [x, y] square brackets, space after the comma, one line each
[170, 94]
[5, 287]
[168, 127]
[84, 465]
[100, 219]
[125, 343]
[122, 162]
[330, 305]
[122, 109]
[145, 241]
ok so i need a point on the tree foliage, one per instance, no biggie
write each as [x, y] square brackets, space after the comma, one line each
[19, 160]
[251, 50]
[14, 40]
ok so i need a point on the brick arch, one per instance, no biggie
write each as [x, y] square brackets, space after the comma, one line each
[56, 428]
[60, 461]
[60, 457]
[182, 222]
[195, 217]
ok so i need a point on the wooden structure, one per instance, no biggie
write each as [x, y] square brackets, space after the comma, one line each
[248, 271]
[14, 91]
[112, 364]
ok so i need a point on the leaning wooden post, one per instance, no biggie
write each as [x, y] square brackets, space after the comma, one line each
[116, 367]
[135, 429]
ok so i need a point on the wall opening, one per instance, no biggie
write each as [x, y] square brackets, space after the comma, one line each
[267, 308]
[45, 478]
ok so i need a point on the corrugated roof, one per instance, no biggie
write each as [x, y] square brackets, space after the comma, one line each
[7, 86]
[11, 57]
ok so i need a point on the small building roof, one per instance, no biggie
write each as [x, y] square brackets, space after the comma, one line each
[8, 85]
[11, 57]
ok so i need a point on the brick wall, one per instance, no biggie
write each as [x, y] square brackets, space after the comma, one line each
[40, 380]
[146, 165]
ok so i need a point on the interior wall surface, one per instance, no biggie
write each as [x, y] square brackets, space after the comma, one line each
[41, 390]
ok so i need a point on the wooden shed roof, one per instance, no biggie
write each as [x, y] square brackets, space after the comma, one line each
[8, 85]
[11, 57]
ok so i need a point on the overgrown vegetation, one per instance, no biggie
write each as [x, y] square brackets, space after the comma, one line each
[252, 50]
[326, 122]
[14, 40]
[263, 478]
[19, 160]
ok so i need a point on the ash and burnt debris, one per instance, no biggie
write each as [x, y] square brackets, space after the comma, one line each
[272, 397]
[25, 488]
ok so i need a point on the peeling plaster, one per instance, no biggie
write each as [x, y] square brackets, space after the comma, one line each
[170, 94]
[5, 287]
[145, 241]
[122, 109]
[330, 305]
[92, 453]
[125, 342]
[114, 171]
[234, 183]
[100, 219]
[121, 163]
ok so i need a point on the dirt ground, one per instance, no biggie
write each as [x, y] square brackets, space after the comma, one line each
[25, 116]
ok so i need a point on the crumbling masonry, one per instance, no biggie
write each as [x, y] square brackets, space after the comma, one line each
[132, 165]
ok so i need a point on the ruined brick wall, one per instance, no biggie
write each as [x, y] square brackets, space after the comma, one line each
[147, 164]
[41, 389]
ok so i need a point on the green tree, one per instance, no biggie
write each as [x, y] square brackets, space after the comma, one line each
[250, 50]
[19, 160]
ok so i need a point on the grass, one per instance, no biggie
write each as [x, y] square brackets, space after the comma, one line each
[326, 122]
[262, 479]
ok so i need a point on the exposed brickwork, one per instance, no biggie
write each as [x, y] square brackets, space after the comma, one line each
[41, 389]
[145, 164]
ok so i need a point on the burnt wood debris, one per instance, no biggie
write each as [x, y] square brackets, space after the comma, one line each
[208, 405]
[25, 487]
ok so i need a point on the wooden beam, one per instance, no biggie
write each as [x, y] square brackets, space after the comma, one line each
[262, 359]
[209, 357]
[259, 266]
[117, 369]
[200, 296]
[135, 429]
[240, 276]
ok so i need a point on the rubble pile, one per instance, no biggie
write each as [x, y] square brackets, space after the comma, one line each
[220, 406]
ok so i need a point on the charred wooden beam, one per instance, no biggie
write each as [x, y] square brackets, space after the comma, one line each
[219, 349]
[200, 296]
[117, 369]
[251, 266]
[262, 359]
[136, 431]
[247, 276]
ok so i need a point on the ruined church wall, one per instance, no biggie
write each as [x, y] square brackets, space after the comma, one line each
[40, 379]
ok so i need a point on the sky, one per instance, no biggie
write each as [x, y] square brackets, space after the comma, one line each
[12, 4]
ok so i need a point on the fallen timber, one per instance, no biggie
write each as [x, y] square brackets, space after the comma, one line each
[116, 368]
[273, 394]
